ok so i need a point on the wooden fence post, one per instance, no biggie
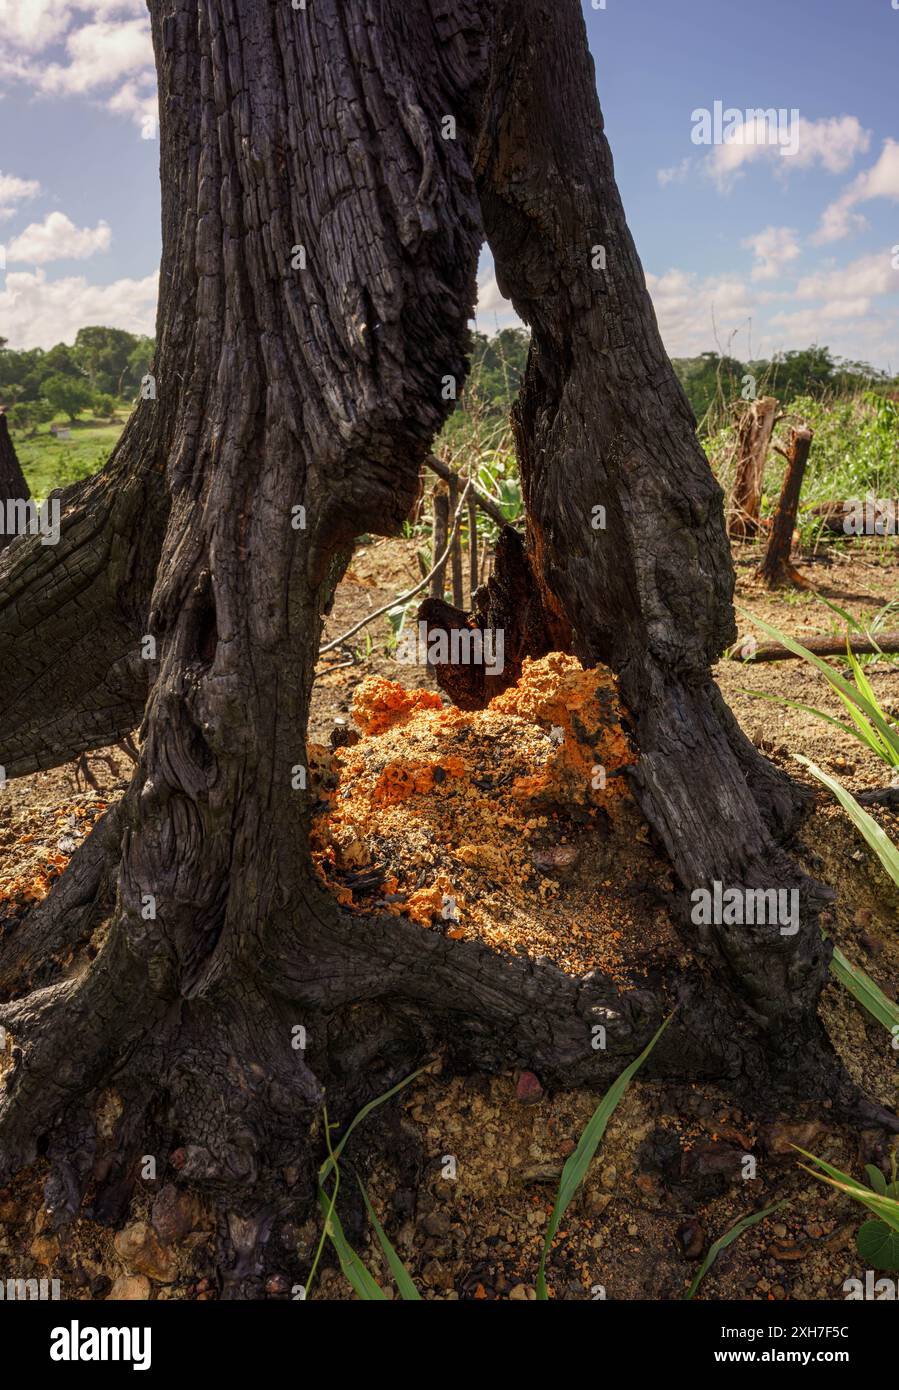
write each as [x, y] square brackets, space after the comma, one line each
[440, 535]
[753, 439]
[776, 569]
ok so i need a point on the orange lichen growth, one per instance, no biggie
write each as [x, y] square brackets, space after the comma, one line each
[439, 900]
[380, 704]
[402, 778]
[496, 824]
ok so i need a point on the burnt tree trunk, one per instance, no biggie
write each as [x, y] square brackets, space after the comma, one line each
[320, 244]
[753, 438]
[776, 569]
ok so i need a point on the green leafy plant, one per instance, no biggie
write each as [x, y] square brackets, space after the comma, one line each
[877, 1240]
[578, 1162]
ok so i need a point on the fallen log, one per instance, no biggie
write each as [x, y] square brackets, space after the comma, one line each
[834, 515]
[821, 646]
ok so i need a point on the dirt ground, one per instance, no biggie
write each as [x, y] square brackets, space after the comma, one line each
[462, 1170]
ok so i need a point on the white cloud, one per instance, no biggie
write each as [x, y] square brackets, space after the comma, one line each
[676, 173]
[57, 239]
[832, 143]
[880, 181]
[99, 54]
[493, 311]
[773, 249]
[860, 282]
[112, 49]
[39, 313]
[33, 25]
[15, 190]
[142, 107]
[693, 310]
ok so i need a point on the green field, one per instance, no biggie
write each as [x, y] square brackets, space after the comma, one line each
[48, 462]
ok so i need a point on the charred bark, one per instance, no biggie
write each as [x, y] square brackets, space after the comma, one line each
[13, 487]
[317, 281]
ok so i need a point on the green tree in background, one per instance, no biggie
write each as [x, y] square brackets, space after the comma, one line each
[68, 393]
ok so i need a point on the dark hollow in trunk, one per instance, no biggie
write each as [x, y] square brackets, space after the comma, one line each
[321, 233]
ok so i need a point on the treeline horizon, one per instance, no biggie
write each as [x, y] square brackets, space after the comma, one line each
[100, 371]
[103, 369]
[709, 379]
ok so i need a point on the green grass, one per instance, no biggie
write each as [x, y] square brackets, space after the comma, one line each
[48, 462]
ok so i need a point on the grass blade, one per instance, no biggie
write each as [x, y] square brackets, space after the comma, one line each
[334, 1155]
[864, 990]
[728, 1239]
[397, 1268]
[577, 1164]
[879, 841]
[886, 1208]
[888, 734]
[363, 1283]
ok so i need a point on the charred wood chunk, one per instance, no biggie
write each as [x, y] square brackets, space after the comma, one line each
[477, 655]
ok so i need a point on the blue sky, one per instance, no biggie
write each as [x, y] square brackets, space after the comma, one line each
[766, 250]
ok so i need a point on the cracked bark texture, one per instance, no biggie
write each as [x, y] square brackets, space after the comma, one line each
[320, 243]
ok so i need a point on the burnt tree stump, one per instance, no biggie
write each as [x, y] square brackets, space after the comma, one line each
[775, 569]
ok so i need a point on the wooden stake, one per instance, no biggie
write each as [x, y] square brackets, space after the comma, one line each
[440, 534]
[472, 549]
[456, 552]
[753, 439]
[776, 569]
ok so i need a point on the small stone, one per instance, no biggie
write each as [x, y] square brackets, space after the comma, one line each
[633, 1229]
[175, 1214]
[138, 1246]
[45, 1249]
[519, 1294]
[130, 1288]
[558, 859]
[692, 1239]
[785, 1133]
[780, 1252]
[528, 1090]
